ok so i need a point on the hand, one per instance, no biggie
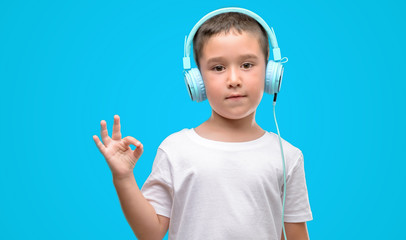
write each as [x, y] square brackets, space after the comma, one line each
[117, 152]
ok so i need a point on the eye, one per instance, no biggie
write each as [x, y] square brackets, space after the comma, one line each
[247, 65]
[218, 68]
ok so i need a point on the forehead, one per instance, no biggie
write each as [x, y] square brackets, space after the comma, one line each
[232, 45]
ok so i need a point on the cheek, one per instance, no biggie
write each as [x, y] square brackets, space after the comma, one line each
[213, 92]
[261, 77]
[213, 85]
[258, 79]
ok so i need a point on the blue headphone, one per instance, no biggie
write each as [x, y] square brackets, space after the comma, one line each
[193, 78]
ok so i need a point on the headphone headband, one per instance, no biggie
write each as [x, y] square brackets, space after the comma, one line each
[189, 39]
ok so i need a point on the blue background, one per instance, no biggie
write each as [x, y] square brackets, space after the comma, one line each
[67, 65]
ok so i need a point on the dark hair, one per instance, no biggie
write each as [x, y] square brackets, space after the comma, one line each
[223, 23]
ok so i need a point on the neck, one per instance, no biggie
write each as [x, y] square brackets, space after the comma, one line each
[219, 128]
[246, 124]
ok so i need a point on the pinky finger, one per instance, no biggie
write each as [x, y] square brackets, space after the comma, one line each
[99, 144]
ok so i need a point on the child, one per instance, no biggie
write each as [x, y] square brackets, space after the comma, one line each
[223, 179]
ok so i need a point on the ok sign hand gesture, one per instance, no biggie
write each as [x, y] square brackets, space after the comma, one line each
[117, 152]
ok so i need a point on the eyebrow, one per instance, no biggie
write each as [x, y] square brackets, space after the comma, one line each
[245, 56]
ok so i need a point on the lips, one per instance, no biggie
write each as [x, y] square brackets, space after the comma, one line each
[236, 95]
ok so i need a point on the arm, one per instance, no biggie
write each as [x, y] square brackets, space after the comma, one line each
[140, 214]
[121, 159]
[295, 231]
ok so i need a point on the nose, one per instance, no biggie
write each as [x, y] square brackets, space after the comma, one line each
[233, 78]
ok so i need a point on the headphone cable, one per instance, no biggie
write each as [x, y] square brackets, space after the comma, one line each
[283, 163]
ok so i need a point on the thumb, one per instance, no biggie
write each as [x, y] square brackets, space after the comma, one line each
[138, 151]
[130, 140]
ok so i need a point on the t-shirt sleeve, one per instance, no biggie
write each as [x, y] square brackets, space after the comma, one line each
[158, 189]
[297, 206]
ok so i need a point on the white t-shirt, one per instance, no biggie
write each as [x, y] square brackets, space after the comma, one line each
[226, 190]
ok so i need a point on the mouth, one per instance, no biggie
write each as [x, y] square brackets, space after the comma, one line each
[236, 97]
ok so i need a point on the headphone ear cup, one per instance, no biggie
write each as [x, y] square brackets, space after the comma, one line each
[195, 85]
[273, 77]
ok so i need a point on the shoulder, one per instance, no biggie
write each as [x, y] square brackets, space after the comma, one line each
[292, 153]
[175, 140]
[292, 149]
[168, 146]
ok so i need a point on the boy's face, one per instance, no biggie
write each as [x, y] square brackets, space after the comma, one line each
[233, 64]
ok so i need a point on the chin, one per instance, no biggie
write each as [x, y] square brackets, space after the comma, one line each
[236, 116]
